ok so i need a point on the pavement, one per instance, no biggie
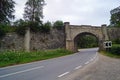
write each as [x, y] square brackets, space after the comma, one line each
[102, 68]
[52, 69]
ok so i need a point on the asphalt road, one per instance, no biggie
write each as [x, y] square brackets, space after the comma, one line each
[52, 69]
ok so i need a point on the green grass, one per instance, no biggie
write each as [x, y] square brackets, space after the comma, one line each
[114, 52]
[110, 54]
[8, 58]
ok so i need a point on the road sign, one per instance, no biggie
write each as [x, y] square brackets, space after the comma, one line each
[107, 44]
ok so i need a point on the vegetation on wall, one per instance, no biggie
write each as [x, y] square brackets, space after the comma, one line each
[2, 31]
[33, 13]
[46, 27]
[59, 25]
[6, 28]
[21, 26]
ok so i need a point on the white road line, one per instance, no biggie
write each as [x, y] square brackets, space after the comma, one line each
[87, 62]
[95, 55]
[21, 71]
[63, 74]
[78, 67]
[91, 59]
[19, 65]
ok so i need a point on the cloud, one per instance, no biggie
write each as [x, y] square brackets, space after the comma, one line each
[19, 8]
[91, 12]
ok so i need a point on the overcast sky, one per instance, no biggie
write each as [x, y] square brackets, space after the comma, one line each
[77, 12]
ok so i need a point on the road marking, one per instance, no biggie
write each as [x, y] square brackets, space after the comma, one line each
[92, 59]
[95, 55]
[78, 67]
[21, 71]
[19, 65]
[63, 74]
[87, 62]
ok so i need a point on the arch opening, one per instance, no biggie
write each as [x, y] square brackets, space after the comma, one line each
[85, 40]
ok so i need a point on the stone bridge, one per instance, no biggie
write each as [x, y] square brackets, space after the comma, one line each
[73, 32]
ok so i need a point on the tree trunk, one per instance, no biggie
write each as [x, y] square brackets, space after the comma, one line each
[27, 40]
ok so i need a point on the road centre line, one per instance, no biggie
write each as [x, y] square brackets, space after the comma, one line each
[87, 62]
[91, 59]
[63, 74]
[21, 71]
[78, 67]
[95, 56]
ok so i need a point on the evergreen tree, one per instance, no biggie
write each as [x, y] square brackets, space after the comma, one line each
[115, 17]
[34, 10]
[6, 10]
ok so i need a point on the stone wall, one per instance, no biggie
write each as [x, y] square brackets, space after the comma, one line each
[12, 42]
[39, 41]
[113, 33]
[56, 39]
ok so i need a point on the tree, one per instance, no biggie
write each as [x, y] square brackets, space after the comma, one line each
[115, 17]
[21, 26]
[115, 20]
[2, 31]
[46, 27]
[6, 10]
[33, 13]
[58, 25]
[34, 10]
[87, 41]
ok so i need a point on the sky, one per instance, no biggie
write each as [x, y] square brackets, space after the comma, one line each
[77, 12]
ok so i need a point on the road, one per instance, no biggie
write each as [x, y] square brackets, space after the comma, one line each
[52, 69]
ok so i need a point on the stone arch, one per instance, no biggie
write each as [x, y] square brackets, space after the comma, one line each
[82, 34]
[72, 31]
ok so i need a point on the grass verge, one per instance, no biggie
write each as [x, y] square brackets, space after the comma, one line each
[110, 54]
[8, 58]
[113, 52]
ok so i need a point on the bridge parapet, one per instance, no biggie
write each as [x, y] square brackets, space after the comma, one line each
[74, 30]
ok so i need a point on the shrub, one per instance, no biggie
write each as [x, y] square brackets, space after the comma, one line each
[116, 41]
[22, 25]
[6, 28]
[2, 31]
[46, 27]
[58, 25]
[20, 30]
[115, 49]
